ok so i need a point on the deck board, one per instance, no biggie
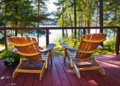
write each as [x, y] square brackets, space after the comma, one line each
[112, 59]
[36, 81]
[29, 77]
[69, 73]
[47, 77]
[21, 77]
[59, 73]
[62, 74]
[55, 76]
[6, 76]
[82, 80]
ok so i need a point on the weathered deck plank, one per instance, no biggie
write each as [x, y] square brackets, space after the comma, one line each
[55, 76]
[36, 81]
[73, 80]
[61, 74]
[47, 77]
[112, 59]
[63, 77]
[82, 80]
[29, 77]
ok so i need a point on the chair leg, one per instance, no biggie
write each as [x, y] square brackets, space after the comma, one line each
[50, 55]
[101, 70]
[71, 62]
[76, 70]
[42, 71]
[65, 55]
[46, 62]
[19, 67]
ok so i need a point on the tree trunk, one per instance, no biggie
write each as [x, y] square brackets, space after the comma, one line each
[85, 26]
[5, 14]
[21, 34]
[66, 34]
[88, 26]
[79, 30]
[97, 17]
[16, 22]
[63, 25]
[38, 22]
[101, 16]
[75, 18]
[38, 38]
[71, 26]
[89, 18]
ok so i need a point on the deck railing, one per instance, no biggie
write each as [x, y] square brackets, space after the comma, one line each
[57, 28]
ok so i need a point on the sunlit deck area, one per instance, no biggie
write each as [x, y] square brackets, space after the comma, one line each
[61, 74]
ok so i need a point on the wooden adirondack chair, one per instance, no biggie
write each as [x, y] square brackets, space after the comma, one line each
[28, 48]
[88, 45]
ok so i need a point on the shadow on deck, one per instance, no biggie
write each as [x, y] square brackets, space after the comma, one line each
[60, 74]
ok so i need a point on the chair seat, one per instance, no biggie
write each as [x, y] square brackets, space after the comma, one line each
[45, 56]
[71, 54]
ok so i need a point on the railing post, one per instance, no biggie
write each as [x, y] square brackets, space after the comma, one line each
[47, 37]
[117, 42]
[5, 35]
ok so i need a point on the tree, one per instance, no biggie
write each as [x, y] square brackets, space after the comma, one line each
[17, 13]
[40, 10]
[101, 14]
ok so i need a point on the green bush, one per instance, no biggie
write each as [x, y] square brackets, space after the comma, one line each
[9, 57]
[9, 54]
[110, 45]
[96, 53]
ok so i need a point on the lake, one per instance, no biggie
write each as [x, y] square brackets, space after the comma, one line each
[54, 34]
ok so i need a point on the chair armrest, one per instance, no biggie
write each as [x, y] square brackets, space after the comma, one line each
[14, 51]
[99, 47]
[75, 50]
[68, 47]
[49, 47]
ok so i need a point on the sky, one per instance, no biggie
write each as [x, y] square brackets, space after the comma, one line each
[50, 5]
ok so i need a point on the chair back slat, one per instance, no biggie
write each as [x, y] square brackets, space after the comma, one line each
[27, 49]
[89, 43]
[36, 47]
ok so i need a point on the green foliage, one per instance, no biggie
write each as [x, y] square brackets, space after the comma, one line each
[17, 11]
[1, 23]
[75, 44]
[110, 45]
[9, 60]
[2, 40]
[20, 13]
[69, 40]
[102, 52]
[8, 54]
[42, 32]
[58, 40]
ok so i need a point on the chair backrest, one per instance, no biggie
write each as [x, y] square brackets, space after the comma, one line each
[27, 47]
[90, 43]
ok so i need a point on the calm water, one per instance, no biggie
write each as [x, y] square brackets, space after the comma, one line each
[53, 35]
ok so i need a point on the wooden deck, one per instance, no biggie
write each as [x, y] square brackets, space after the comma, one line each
[60, 74]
